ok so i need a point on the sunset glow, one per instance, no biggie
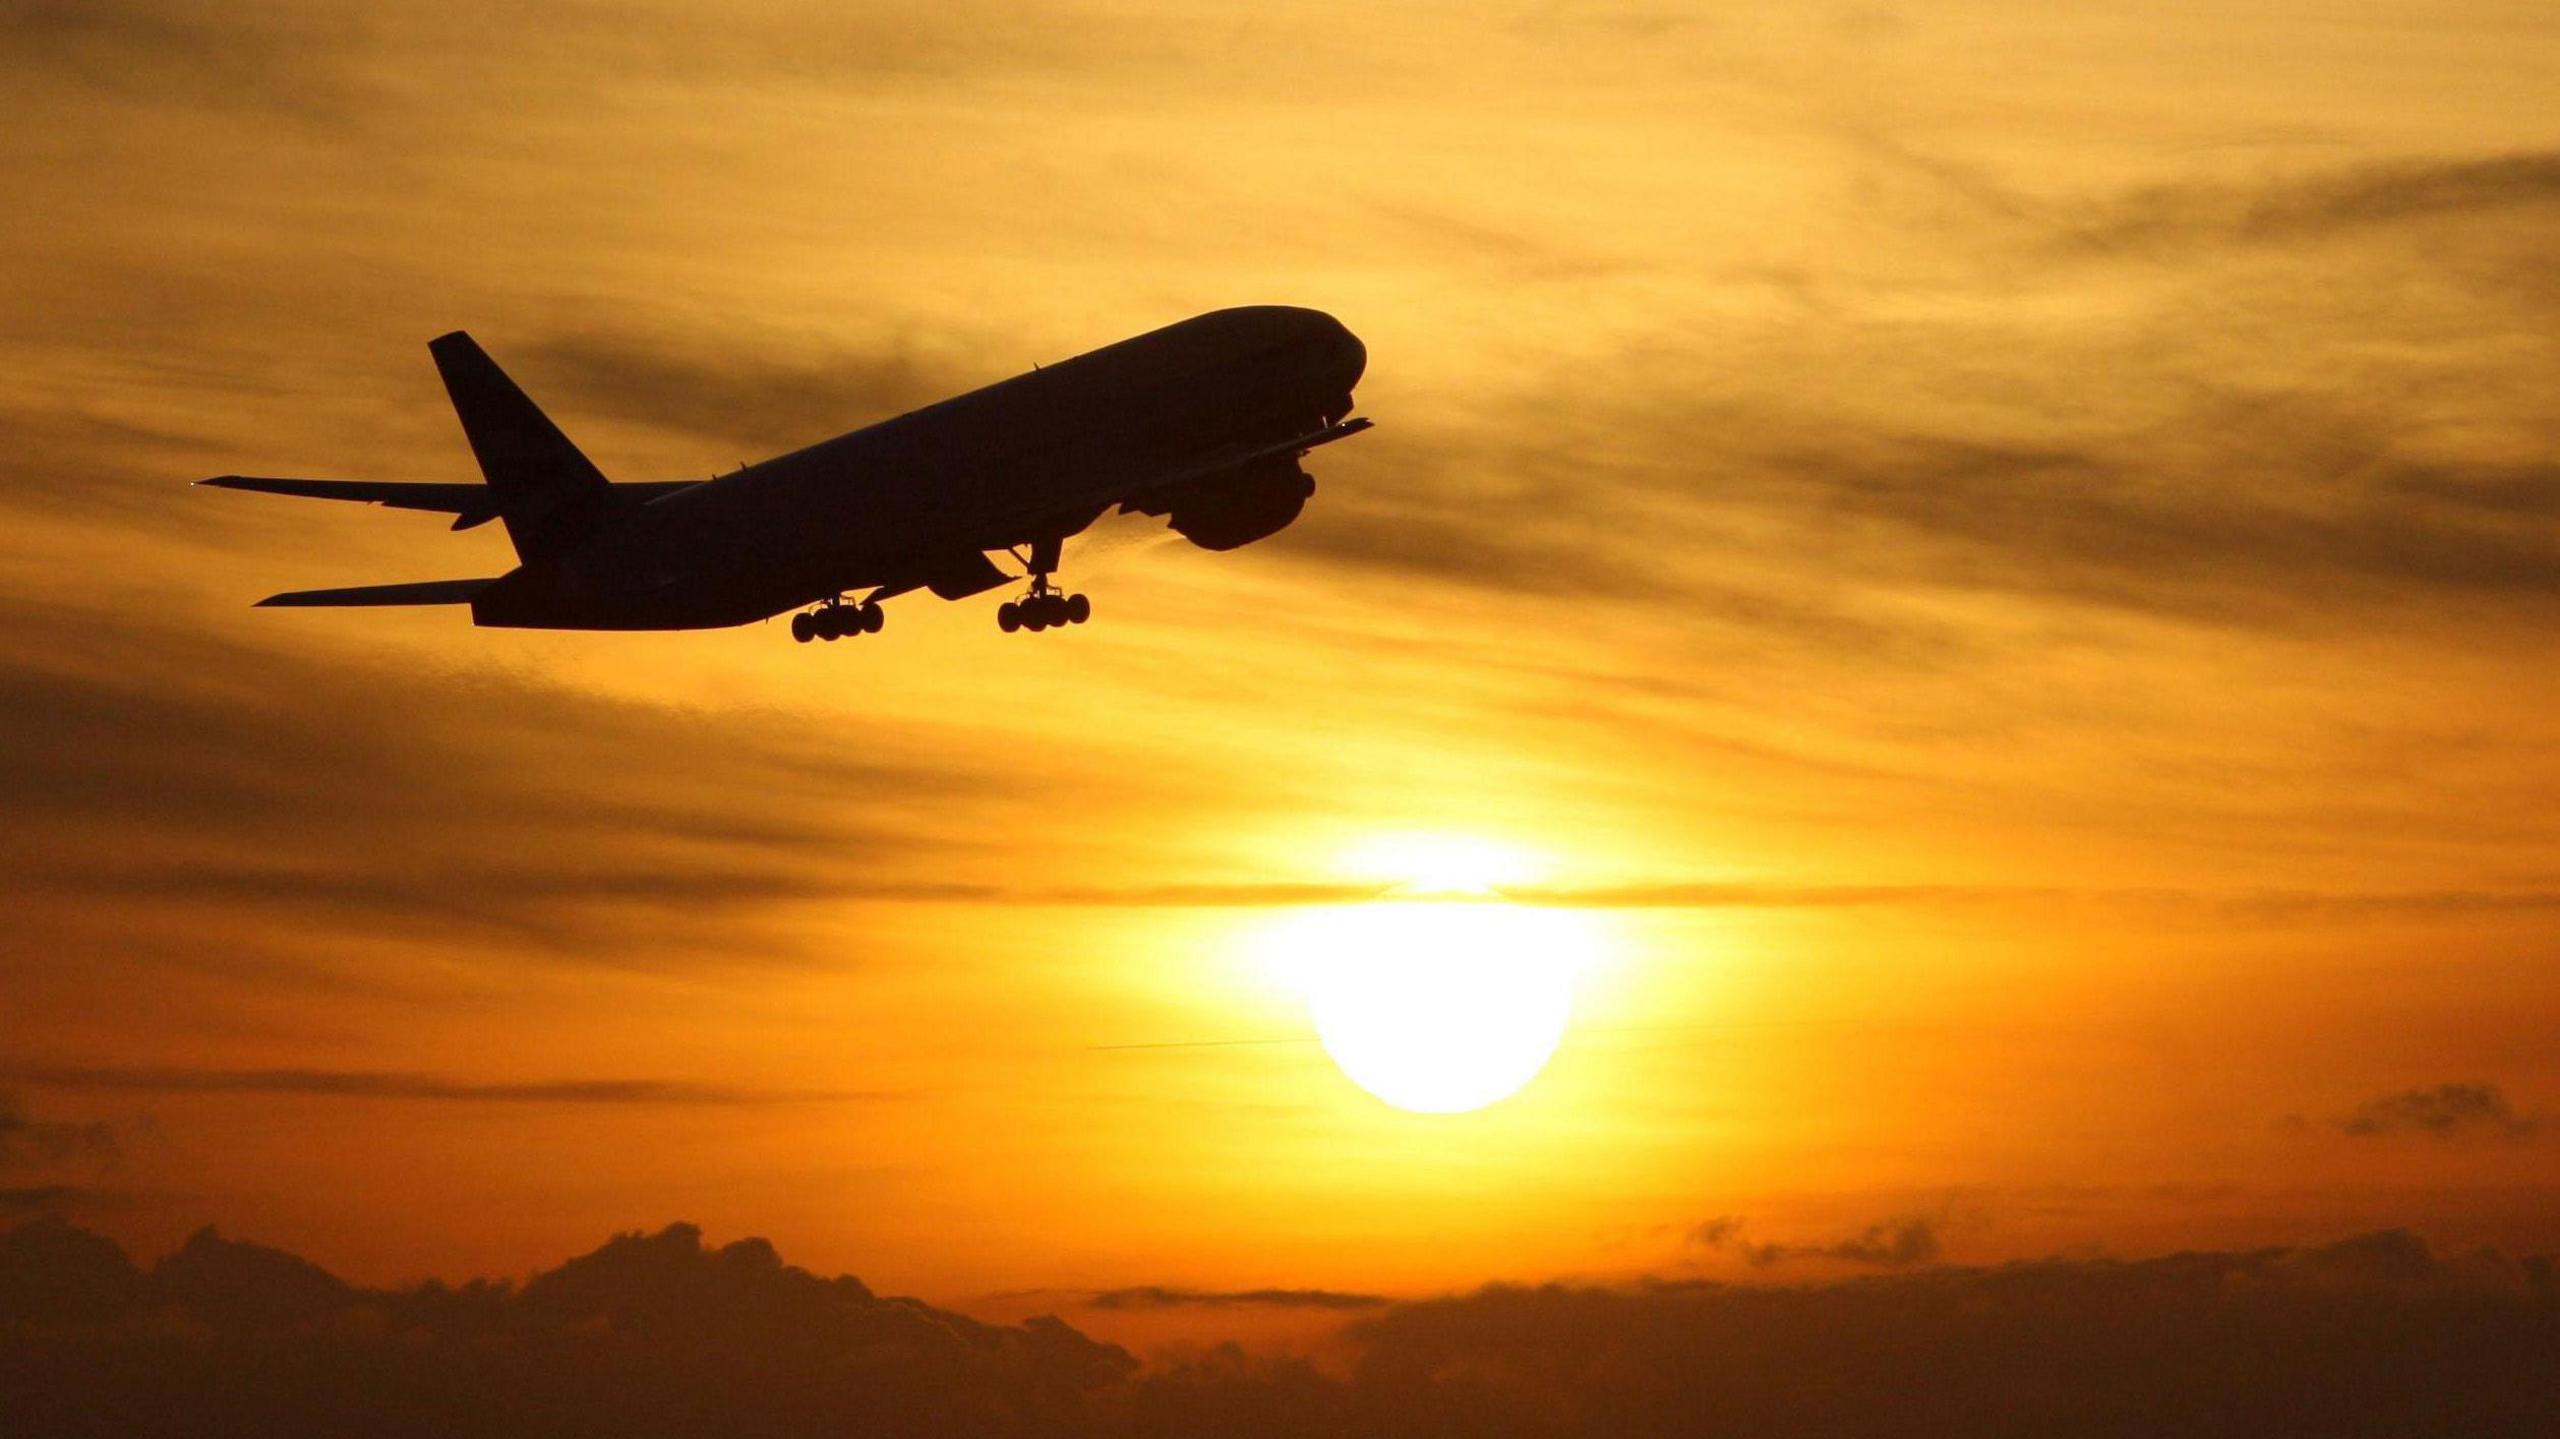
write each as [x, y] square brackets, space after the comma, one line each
[1436, 1008]
[1938, 662]
[1425, 864]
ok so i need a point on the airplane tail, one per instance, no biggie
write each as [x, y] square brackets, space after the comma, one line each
[548, 493]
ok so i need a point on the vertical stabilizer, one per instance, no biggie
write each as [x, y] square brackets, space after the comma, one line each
[549, 494]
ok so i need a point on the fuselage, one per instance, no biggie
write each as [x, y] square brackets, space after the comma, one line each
[1042, 454]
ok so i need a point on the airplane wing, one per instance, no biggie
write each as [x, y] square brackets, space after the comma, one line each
[469, 504]
[1137, 496]
[1221, 461]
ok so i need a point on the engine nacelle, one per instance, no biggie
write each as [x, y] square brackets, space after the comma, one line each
[1235, 510]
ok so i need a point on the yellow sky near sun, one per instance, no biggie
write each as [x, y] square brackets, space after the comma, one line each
[2048, 496]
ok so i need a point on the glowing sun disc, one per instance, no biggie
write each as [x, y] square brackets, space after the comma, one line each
[1437, 1008]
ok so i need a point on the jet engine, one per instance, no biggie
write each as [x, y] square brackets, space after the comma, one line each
[1234, 510]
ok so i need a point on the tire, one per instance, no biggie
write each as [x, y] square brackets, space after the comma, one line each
[1008, 617]
[1079, 609]
[873, 619]
[800, 628]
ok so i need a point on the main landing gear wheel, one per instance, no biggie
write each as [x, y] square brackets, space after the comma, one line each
[1046, 606]
[1043, 609]
[837, 620]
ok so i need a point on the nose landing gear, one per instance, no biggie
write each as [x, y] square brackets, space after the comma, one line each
[836, 620]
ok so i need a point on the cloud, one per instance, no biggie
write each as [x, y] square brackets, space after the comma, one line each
[2340, 517]
[2241, 441]
[652, 1333]
[2198, 1342]
[154, 770]
[1716, 1233]
[392, 1084]
[2445, 1111]
[2340, 202]
[19, 1201]
[2258, 905]
[44, 1160]
[1156, 1296]
[1900, 1243]
[25, 1141]
[754, 399]
[278, 58]
[664, 1334]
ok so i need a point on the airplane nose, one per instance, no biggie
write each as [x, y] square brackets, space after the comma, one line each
[1350, 358]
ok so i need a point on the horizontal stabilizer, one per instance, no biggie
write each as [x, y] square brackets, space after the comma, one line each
[424, 592]
[468, 504]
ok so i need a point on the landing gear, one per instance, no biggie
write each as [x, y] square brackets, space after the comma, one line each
[836, 620]
[1046, 606]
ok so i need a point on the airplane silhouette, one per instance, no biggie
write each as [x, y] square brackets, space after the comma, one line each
[1203, 422]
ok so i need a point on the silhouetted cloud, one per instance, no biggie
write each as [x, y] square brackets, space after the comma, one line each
[648, 1334]
[1899, 1243]
[33, 1141]
[17, 1201]
[384, 1084]
[2340, 1337]
[1716, 1233]
[44, 1163]
[658, 1333]
[2444, 1111]
[1156, 1296]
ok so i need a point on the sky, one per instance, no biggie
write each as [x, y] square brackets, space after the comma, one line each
[1993, 563]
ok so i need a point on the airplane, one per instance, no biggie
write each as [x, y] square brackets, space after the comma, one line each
[1202, 422]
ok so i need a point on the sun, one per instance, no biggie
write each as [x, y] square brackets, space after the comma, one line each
[1431, 863]
[1436, 1007]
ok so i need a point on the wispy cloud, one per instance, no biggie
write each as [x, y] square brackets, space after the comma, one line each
[1156, 1296]
[29, 1141]
[740, 395]
[20, 1201]
[2339, 202]
[2443, 1111]
[394, 1084]
[1903, 1242]
[327, 794]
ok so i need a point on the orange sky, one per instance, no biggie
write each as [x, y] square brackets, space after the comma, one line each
[2004, 562]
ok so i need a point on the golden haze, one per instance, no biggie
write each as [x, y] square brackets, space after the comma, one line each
[2002, 556]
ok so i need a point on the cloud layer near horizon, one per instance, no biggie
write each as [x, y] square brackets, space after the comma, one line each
[2005, 556]
[660, 1334]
